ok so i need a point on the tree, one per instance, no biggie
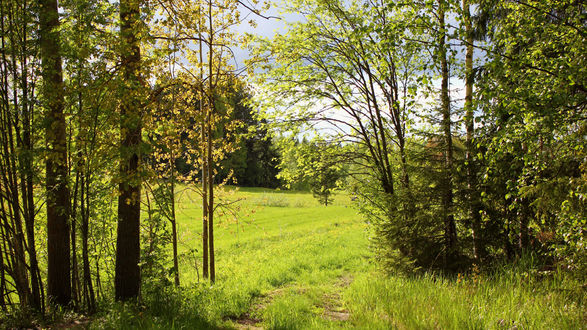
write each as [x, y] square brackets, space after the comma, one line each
[450, 230]
[313, 163]
[357, 68]
[201, 33]
[532, 93]
[254, 161]
[168, 124]
[90, 109]
[20, 160]
[473, 198]
[324, 184]
[171, 142]
[58, 208]
[72, 146]
[220, 18]
[127, 277]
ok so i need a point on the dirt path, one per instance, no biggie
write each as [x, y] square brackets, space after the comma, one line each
[333, 307]
[331, 303]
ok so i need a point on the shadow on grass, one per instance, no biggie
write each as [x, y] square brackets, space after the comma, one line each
[160, 308]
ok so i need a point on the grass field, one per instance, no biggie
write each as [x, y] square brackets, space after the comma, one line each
[290, 263]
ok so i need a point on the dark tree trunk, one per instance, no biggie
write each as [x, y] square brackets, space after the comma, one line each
[204, 205]
[211, 110]
[10, 120]
[508, 246]
[75, 283]
[174, 222]
[524, 220]
[2, 272]
[58, 250]
[3, 213]
[85, 215]
[127, 277]
[27, 177]
[211, 208]
[99, 290]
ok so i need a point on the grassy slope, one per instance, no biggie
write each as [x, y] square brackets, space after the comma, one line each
[295, 264]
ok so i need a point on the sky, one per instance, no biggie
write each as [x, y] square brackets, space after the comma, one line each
[265, 27]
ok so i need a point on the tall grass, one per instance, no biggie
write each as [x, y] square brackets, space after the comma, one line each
[504, 299]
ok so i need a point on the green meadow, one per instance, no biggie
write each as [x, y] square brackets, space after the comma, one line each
[286, 262]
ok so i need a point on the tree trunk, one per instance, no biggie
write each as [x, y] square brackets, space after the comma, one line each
[58, 274]
[99, 290]
[127, 277]
[3, 213]
[450, 234]
[204, 166]
[10, 126]
[211, 205]
[2, 270]
[27, 177]
[174, 222]
[524, 220]
[211, 109]
[75, 283]
[473, 195]
[85, 215]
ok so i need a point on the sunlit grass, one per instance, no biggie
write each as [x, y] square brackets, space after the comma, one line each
[289, 263]
[502, 302]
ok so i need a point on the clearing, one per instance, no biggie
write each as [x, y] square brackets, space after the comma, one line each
[290, 263]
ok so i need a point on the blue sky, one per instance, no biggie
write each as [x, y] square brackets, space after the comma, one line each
[266, 27]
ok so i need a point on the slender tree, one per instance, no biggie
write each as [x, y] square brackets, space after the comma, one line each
[26, 160]
[472, 191]
[450, 231]
[209, 160]
[203, 148]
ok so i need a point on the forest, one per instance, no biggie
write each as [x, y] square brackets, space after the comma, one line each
[368, 164]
